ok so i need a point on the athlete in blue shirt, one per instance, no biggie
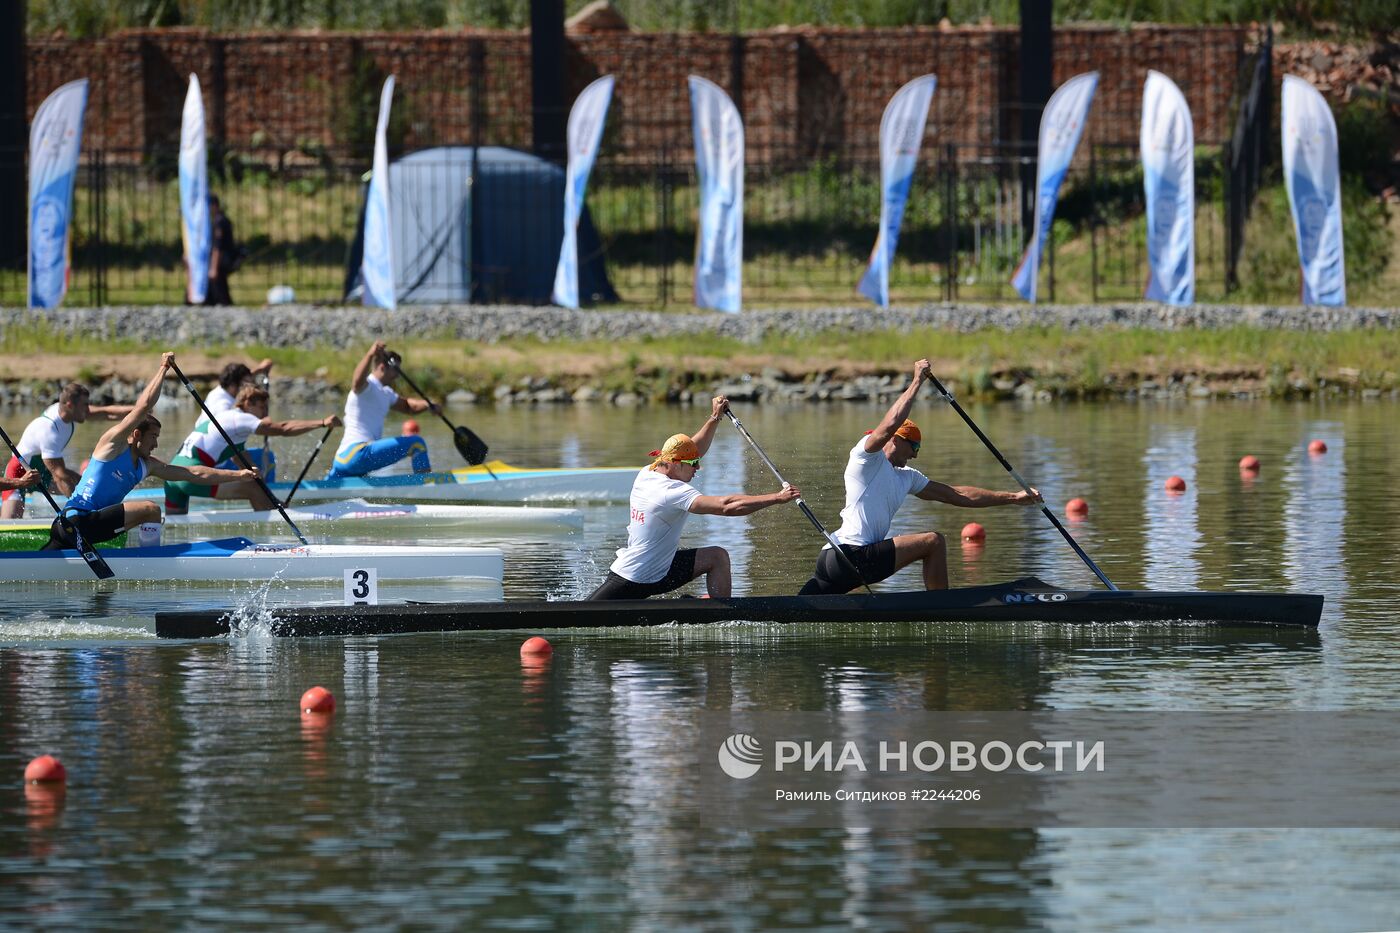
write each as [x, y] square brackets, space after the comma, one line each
[122, 459]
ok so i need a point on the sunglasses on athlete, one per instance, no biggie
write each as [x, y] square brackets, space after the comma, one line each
[695, 463]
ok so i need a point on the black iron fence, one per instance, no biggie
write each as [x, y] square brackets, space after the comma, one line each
[808, 230]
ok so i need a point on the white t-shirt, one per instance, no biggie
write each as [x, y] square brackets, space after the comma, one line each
[660, 506]
[875, 489]
[365, 412]
[47, 437]
[219, 400]
[239, 424]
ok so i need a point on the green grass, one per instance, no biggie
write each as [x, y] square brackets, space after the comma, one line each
[1074, 362]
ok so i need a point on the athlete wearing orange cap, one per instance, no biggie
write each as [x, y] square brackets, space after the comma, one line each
[662, 499]
[878, 478]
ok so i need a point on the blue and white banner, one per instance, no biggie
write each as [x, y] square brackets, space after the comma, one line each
[55, 138]
[194, 196]
[1061, 125]
[1314, 183]
[901, 135]
[719, 165]
[377, 264]
[586, 119]
[1169, 183]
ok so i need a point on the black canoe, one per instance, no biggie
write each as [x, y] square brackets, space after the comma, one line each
[1025, 600]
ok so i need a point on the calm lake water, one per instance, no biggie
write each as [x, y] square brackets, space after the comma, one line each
[456, 789]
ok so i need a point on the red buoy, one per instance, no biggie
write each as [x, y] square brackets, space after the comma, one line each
[1076, 508]
[1249, 463]
[1175, 484]
[535, 647]
[1317, 447]
[410, 427]
[974, 533]
[46, 769]
[318, 700]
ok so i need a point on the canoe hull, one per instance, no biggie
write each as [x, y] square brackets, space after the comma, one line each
[238, 559]
[1027, 600]
[329, 517]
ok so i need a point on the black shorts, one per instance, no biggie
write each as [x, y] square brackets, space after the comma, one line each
[682, 572]
[95, 527]
[834, 575]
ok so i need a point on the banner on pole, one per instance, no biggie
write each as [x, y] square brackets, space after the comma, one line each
[901, 135]
[1169, 184]
[719, 165]
[377, 265]
[1061, 125]
[55, 139]
[1314, 182]
[585, 134]
[194, 196]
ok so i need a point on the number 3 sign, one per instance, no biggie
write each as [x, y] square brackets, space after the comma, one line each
[362, 587]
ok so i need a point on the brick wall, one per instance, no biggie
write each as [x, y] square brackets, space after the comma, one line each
[804, 92]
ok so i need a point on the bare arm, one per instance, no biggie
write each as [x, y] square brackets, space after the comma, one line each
[975, 497]
[263, 368]
[702, 437]
[64, 479]
[272, 428]
[24, 481]
[739, 504]
[898, 411]
[110, 412]
[196, 473]
[412, 406]
[113, 441]
[362, 368]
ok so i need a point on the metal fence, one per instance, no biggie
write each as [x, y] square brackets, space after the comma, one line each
[809, 227]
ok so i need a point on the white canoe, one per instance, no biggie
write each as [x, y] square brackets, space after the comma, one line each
[502, 483]
[357, 513]
[239, 559]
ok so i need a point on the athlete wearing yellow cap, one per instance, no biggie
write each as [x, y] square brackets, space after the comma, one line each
[878, 478]
[662, 499]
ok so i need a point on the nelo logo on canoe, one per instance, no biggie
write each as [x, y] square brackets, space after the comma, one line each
[1013, 598]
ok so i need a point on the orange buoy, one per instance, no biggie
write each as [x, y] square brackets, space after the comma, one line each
[1076, 507]
[46, 769]
[1249, 463]
[1175, 484]
[318, 700]
[1317, 447]
[535, 647]
[974, 533]
[410, 427]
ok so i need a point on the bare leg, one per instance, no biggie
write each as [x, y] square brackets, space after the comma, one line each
[713, 564]
[13, 507]
[931, 549]
[246, 490]
[138, 513]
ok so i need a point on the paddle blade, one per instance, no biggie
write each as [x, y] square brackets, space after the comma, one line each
[471, 447]
[96, 564]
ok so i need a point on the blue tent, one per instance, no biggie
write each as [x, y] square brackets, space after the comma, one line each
[481, 226]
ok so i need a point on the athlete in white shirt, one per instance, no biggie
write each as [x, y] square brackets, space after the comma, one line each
[878, 479]
[205, 446]
[234, 376]
[364, 448]
[662, 499]
[44, 445]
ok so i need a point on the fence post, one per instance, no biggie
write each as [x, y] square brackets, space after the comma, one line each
[663, 227]
[1093, 226]
[950, 222]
